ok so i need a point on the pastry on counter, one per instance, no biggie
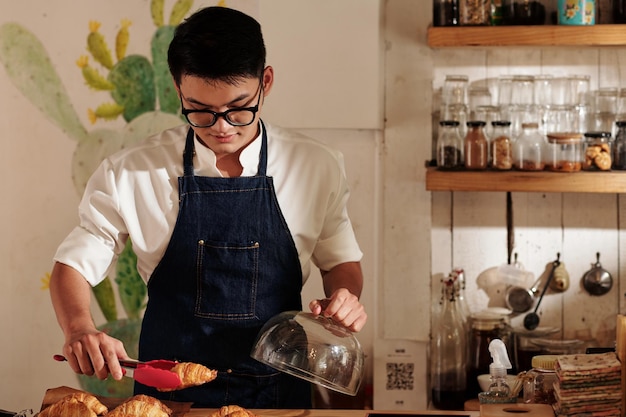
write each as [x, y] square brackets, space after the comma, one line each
[233, 411]
[81, 404]
[141, 405]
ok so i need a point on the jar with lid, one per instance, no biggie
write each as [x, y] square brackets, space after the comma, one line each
[476, 147]
[501, 145]
[564, 152]
[449, 145]
[539, 381]
[445, 12]
[485, 326]
[474, 12]
[618, 150]
[529, 149]
[597, 154]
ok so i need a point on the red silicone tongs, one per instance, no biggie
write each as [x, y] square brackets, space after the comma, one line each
[156, 373]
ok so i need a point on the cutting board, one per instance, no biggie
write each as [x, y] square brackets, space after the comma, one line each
[516, 410]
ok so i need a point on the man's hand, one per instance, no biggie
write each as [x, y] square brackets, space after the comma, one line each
[94, 352]
[342, 307]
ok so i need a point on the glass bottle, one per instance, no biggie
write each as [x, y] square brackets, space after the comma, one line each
[501, 151]
[597, 154]
[476, 148]
[529, 149]
[449, 145]
[619, 146]
[445, 12]
[448, 353]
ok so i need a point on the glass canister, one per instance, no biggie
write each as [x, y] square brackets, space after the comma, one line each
[476, 149]
[445, 12]
[449, 145]
[597, 154]
[529, 149]
[618, 150]
[501, 145]
[564, 152]
[474, 12]
[485, 326]
[539, 381]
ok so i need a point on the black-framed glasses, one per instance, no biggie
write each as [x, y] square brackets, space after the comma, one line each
[240, 116]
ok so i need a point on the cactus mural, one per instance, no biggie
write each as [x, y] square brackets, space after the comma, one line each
[143, 95]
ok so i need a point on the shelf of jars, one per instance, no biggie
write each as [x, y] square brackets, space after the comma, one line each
[535, 35]
[526, 181]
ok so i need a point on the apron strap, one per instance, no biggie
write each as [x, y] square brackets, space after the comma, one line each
[190, 150]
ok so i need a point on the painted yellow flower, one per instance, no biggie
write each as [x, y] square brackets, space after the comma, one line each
[45, 281]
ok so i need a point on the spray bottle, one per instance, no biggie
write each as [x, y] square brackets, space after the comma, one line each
[497, 369]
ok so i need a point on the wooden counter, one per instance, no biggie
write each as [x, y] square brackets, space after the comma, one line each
[200, 412]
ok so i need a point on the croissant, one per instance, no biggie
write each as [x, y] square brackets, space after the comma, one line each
[141, 405]
[233, 411]
[90, 401]
[68, 408]
[191, 374]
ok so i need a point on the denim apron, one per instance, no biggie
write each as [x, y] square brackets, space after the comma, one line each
[231, 264]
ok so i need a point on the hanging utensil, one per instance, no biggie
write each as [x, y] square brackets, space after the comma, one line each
[597, 281]
[520, 299]
[152, 373]
[531, 320]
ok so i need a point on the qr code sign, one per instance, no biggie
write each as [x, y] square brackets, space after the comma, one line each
[400, 376]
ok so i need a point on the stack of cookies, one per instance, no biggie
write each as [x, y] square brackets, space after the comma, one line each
[588, 385]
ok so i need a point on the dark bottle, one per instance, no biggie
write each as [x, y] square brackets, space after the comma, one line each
[619, 11]
[448, 352]
[445, 12]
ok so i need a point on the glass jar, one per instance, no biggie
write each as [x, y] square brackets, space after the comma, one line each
[485, 326]
[619, 146]
[597, 154]
[445, 12]
[529, 149]
[474, 12]
[501, 145]
[476, 150]
[449, 145]
[564, 152]
[539, 381]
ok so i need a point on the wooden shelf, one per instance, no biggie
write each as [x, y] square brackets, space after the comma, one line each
[525, 181]
[541, 35]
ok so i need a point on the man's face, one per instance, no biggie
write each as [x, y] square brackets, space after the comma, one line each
[239, 103]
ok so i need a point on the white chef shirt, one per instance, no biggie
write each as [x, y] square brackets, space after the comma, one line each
[134, 192]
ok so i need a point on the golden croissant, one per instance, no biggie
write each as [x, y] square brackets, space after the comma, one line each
[68, 408]
[191, 374]
[90, 401]
[141, 405]
[233, 411]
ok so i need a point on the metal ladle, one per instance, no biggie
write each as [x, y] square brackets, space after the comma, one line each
[531, 320]
[597, 281]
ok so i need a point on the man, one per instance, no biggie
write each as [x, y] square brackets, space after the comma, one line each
[226, 215]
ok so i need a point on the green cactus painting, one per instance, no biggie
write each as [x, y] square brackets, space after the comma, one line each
[140, 91]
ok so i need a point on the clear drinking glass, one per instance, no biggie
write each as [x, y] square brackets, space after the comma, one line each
[523, 90]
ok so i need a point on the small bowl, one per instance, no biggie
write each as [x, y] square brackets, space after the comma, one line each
[484, 381]
[313, 348]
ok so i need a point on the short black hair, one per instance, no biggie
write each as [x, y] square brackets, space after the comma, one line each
[217, 43]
